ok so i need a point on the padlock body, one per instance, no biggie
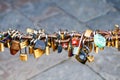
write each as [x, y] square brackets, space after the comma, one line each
[47, 50]
[23, 57]
[1, 47]
[38, 53]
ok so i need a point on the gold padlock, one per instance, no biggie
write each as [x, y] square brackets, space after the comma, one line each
[90, 58]
[23, 57]
[116, 41]
[88, 33]
[62, 36]
[38, 53]
[53, 45]
[118, 46]
[113, 43]
[108, 44]
[1, 47]
[101, 48]
[7, 44]
[96, 49]
[24, 44]
[31, 51]
[47, 50]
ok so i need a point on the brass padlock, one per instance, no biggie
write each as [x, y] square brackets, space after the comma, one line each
[31, 51]
[118, 46]
[23, 56]
[53, 45]
[7, 44]
[15, 45]
[90, 58]
[113, 43]
[116, 41]
[24, 44]
[108, 44]
[88, 33]
[47, 50]
[1, 47]
[101, 48]
[38, 53]
[62, 36]
[96, 49]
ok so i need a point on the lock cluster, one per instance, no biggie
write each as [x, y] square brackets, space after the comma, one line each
[78, 45]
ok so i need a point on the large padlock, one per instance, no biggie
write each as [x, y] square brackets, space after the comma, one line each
[23, 56]
[40, 44]
[1, 47]
[88, 33]
[15, 47]
[38, 53]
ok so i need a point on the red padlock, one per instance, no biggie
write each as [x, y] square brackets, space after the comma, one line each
[75, 41]
[65, 45]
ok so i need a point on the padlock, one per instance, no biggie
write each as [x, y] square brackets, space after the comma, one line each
[24, 44]
[53, 45]
[65, 46]
[96, 49]
[88, 33]
[15, 45]
[90, 58]
[62, 36]
[7, 44]
[76, 50]
[99, 40]
[70, 50]
[116, 41]
[75, 41]
[89, 45]
[23, 56]
[113, 43]
[108, 43]
[101, 48]
[38, 53]
[47, 50]
[39, 44]
[1, 47]
[31, 49]
[81, 57]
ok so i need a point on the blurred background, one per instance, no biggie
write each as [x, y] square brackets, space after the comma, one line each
[52, 15]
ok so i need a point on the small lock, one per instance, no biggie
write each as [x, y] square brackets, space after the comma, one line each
[31, 51]
[101, 48]
[108, 44]
[47, 50]
[75, 41]
[1, 47]
[7, 44]
[59, 48]
[88, 33]
[113, 43]
[118, 46]
[76, 50]
[38, 53]
[53, 45]
[23, 57]
[81, 57]
[96, 49]
[65, 46]
[70, 50]
[90, 58]
[89, 45]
